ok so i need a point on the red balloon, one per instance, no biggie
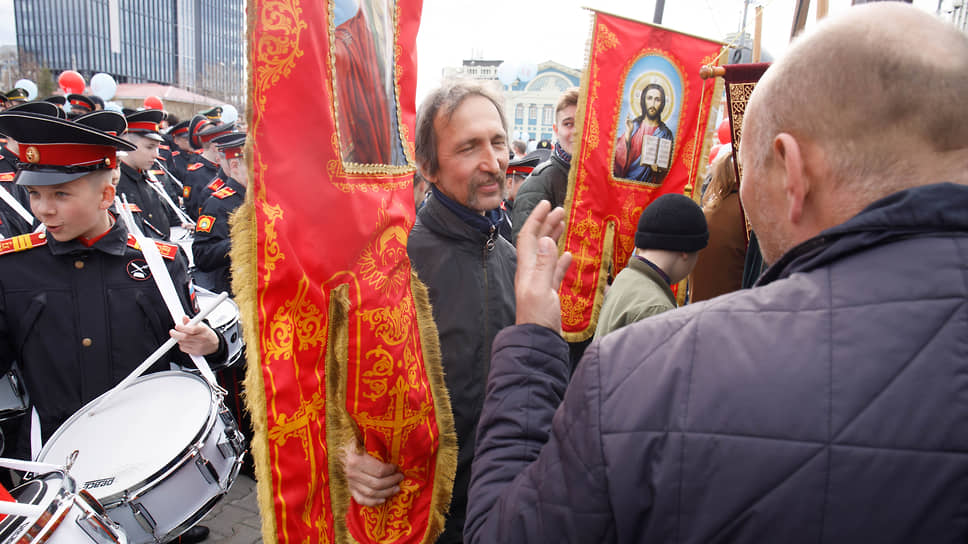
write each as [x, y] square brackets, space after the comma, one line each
[71, 82]
[723, 132]
[713, 151]
[154, 103]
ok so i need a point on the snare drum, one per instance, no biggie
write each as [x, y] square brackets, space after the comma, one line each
[225, 319]
[69, 517]
[158, 457]
[184, 238]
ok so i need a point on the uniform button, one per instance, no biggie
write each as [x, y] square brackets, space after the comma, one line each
[87, 342]
[78, 264]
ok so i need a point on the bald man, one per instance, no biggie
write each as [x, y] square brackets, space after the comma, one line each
[827, 404]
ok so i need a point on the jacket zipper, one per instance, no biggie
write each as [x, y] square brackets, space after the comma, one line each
[488, 247]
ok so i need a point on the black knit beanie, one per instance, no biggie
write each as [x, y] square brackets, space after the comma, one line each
[672, 222]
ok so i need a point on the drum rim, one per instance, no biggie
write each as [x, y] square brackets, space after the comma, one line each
[134, 491]
[54, 513]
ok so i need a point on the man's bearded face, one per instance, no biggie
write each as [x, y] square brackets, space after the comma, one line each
[654, 103]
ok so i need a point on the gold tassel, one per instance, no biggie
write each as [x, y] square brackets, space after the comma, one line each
[244, 282]
[447, 448]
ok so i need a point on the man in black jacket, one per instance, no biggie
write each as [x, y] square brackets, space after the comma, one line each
[455, 248]
[826, 404]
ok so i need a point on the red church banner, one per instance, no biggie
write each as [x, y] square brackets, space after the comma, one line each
[643, 116]
[341, 345]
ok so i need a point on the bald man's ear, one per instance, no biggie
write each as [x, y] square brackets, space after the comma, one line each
[788, 153]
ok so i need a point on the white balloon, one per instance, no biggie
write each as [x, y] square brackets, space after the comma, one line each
[507, 72]
[28, 86]
[229, 113]
[113, 106]
[104, 86]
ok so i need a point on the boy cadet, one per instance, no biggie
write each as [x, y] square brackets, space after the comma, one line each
[79, 308]
[212, 243]
[156, 217]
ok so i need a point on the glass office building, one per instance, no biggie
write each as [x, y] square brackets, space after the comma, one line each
[197, 45]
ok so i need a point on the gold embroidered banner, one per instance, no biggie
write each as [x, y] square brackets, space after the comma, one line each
[340, 338]
[643, 116]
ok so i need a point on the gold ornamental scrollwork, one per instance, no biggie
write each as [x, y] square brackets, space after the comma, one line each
[278, 46]
[270, 249]
[300, 425]
[605, 39]
[297, 324]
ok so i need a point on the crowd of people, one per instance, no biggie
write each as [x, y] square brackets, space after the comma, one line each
[79, 307]
[823, 404]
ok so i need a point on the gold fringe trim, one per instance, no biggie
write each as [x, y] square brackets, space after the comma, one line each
[244, 282]
[447, 446]
[341, 429]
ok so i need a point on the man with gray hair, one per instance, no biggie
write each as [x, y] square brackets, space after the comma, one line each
[456, 250]
[827, 404]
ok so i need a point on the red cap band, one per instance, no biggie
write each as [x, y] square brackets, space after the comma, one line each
[143, 125]
[81, 104]
[69, 154]
[182, 130]
[232, 152]
[520, 169]
[209, 137]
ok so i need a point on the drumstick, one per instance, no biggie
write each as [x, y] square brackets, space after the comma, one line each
[33, 511]
[29, 466]
[155, 356]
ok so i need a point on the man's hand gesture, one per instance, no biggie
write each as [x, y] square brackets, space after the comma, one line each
[540, 269]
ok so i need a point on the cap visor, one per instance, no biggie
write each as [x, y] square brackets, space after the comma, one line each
[40, 177]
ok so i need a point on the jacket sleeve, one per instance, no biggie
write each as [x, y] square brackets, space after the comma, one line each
[186, 295]
[538, 475]
[211, 249]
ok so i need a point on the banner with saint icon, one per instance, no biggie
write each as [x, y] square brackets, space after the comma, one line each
[643, 115]
[342, 346]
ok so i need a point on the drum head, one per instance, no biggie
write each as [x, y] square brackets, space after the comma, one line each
[146, 427]
[224, 315]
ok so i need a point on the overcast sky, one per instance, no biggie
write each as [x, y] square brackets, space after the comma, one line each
[538, 30]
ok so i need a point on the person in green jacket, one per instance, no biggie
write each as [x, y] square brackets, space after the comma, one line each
[671, 231]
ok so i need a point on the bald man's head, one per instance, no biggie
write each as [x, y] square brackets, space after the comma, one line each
[879, 89]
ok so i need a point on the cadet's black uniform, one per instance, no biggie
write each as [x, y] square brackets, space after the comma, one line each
[153, 218]
[202, 195]
[212, 243]
[199, 175]
[11, 223]
[178, 165]
[79, 319]
[171, 189]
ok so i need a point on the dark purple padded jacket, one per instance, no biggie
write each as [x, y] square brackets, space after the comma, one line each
[828, 404]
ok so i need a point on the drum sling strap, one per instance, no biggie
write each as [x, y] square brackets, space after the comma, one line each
[163, 280]
[18, 207]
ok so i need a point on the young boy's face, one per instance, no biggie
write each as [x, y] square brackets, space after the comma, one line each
[72, 209]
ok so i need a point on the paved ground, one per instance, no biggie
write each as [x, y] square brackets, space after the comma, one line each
[235, 519]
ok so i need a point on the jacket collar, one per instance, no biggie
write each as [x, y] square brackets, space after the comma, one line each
[112, 243]
[642, 267]
[437, 217]
[919, 211]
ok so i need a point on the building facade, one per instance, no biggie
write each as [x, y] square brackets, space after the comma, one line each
[197, 45]
[530, 105]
